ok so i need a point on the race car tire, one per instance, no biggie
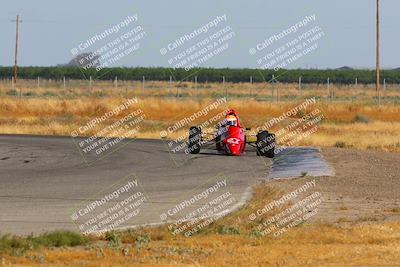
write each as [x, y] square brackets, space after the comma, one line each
[194, 140]
[265, 144]
[218, 144]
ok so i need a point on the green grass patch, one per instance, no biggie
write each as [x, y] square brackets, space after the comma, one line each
[18, 245]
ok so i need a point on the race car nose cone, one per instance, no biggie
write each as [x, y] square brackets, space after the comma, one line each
[234, 149]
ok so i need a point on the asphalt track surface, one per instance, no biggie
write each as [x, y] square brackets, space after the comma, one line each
[45, 180]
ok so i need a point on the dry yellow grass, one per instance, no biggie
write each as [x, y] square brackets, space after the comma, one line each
[375, 135]
[54, 116]
[281, 91]
[367, 245]
[306, 245]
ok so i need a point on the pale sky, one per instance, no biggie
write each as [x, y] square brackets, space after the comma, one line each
[50, 29]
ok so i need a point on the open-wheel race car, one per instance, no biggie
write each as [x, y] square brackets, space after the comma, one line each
[231, 140]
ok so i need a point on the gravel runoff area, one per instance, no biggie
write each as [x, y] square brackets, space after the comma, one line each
[365, 187]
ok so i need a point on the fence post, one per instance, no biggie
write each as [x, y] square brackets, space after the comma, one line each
[90, 83]
[379, 97]
[73, 88]
[64, 82]
[251, 85]
[274, 89]
[143, 84]
[384, 84]
[329, 91]
[116, 82]
[224, 87]
[12, 83]
[38, 82]
[300, 83]
[171, 87]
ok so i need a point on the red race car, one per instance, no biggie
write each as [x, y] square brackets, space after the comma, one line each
[231, 139]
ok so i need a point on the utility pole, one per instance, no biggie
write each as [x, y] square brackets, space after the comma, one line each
[17, 21]
[377, 48]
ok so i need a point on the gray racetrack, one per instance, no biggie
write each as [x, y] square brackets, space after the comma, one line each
[44, 179]
[45, 182]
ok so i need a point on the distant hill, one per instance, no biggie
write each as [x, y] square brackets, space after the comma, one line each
[344, 68]
[82, 60]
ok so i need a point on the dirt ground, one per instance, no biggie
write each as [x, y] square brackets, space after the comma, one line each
[365, 188]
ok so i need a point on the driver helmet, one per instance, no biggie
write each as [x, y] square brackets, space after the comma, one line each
[231, 112]
[231, 120]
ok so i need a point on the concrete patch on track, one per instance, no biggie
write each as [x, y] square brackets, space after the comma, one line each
[299, 161]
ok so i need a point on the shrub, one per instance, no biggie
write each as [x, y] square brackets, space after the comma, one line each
[228, 230]
[256, 233]
[142, 240]
[139, 238]
[340, 144]
[48, 94]
[12, 92]
[30, 93]
[303, 174]
[12, 243]
[361, 118]
[100, 94]
[113, 239]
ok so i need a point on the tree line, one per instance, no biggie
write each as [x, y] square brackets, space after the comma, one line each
[340, 76]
